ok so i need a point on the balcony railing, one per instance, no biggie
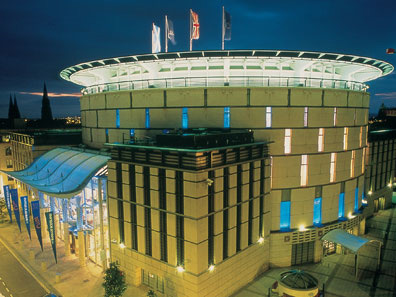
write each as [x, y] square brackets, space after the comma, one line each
[232, 81]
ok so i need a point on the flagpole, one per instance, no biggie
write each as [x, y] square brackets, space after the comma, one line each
[190, 31]
[166, 33]
[222, 32]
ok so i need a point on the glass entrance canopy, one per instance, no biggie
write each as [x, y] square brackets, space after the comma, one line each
[61, 172]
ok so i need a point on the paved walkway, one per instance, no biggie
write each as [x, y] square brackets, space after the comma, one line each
[337, 273]
[74, 280]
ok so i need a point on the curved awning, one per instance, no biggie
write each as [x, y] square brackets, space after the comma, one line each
[350, 241]
[61, 172]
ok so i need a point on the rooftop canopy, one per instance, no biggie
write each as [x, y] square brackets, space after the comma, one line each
[350, 241]
[61, 172]
[227, 68]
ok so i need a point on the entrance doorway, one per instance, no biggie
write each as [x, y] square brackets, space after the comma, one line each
[303, 253]
[381, 203]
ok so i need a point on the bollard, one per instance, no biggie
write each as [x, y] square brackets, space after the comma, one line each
[31, 255]
[57, 278]
[44, 266]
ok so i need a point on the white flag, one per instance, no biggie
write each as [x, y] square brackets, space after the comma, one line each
[155, 39]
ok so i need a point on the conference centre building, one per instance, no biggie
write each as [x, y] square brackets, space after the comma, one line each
[224, 164]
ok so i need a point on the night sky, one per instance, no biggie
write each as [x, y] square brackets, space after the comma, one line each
[40, 38]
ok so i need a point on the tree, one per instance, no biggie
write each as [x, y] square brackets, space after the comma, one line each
[151, 293]
[114, 281]
[46, 113]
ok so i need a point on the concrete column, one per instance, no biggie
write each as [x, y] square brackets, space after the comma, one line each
[66, 238]
[81, 248]
[44, 227]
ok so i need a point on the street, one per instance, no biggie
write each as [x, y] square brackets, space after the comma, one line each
[15, 281]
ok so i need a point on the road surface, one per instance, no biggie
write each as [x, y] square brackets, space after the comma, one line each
[15, 281]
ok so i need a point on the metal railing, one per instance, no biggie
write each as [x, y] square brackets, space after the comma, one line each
[232, 81]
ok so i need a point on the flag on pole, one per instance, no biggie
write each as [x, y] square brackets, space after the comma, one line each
[227, 25]
[155, 39]
[7, 197]
[37, 220]
[49, 215]
[390, 50]
[15, 206]
[25, 211]
[195, 25]
[171, 31]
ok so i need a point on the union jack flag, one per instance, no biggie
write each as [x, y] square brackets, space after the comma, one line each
[195, 25]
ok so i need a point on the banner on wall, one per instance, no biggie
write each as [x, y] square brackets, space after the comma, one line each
[51, 230]
[15, 206]
[37, 220]
[8, 200]
[25, 211]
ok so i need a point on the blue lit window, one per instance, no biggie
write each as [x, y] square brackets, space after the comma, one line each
[185, 118]
[356, 208]
[317, 211]
[117, 118]
[285, 216]
[132, 132]
[147, 122]
[107, 135]
[227, 116]
[341, 205]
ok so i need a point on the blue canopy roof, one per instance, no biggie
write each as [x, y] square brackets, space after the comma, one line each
[61, 172]
[350, 241]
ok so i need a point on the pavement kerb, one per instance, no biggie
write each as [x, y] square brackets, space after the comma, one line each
[46, 286]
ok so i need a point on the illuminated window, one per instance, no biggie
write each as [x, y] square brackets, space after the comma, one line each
[287, 144]
[268, 117]
[304, 170]
[272, 165]
[317, 211]
[305, 116]
[117, 118]
[341, 208]
[366, 135]
[361, 137]
[285, 216]
[147, 121]
[321, 140]
[132, 132]
[341, 201]
[363, 158]
[333, 167]
[227, 116]
[356, 208]
[107, 135]
[345, 138]
[185, 118]
[353, 164]
[335, 116]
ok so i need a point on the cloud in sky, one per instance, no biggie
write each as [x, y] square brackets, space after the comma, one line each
[50, 94]
[389, 95]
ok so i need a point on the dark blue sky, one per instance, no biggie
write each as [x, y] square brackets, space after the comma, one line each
[40, 38]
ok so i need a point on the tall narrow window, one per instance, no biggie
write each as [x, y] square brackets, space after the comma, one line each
[107, 135]
[132, 195]
[317, 211]
[225, 212]
[305, 116]
[356, 208]
[335, 116]
[147, 121]
[163, 214]
[268, 117]
[288, 133]
[227, 117]
[179, 218]
[361, 137]
[321, 140]
[345, 138]
[333, 160]
[271, 173]
[341, 201]
[120, 205]
[184, 118]
[147, 210]
[117, 118]
[304, 170]
[285, 210]
[363, 158]
[285, 216]
[211, 210]
[239, 208]
[353, 164]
